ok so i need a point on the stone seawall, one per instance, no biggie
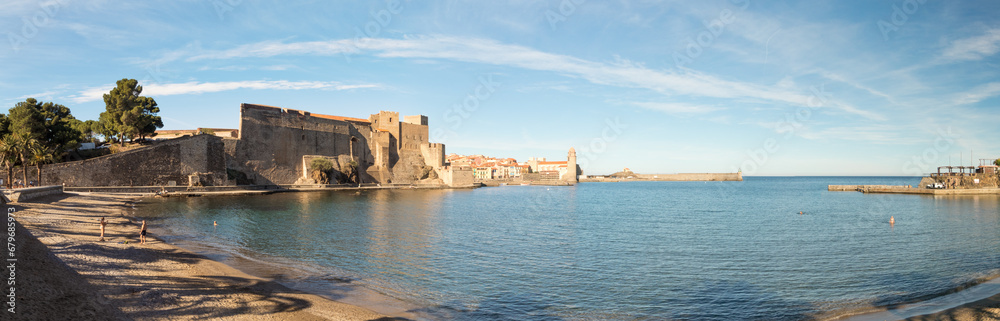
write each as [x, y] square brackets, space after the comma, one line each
[157, 165]
[26, 194]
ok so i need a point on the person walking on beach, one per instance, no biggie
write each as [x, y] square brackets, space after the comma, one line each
[142, 233]
[103, 224]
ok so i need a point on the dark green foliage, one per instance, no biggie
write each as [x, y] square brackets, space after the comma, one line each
[129, 115]
[51, 125]
[320, 170]
[350, 174]
[90, 129]
[26, 119]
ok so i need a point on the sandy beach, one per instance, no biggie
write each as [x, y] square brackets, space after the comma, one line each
[64, 272]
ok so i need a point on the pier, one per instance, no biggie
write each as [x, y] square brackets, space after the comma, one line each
[861, 188]
[907, 189]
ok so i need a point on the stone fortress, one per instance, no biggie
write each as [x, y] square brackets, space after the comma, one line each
[274, 147]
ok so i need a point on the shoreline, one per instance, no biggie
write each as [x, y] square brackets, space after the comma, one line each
[974, 301]
[341, 289]
[160, 280]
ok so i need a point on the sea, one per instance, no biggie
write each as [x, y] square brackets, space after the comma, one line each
[602, 251]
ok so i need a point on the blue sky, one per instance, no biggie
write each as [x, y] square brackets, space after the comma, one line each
[772, 88]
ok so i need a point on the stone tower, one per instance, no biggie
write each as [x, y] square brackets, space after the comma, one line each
[571, 176]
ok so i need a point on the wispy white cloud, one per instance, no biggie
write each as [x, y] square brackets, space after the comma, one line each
[91, 94]
[676, 108]
[974, 48]
[621, 73]
[855, 84]
[245, 68]
[276, 48]
[879, 134]
[188, 88]
[40, 96]
[978, 94]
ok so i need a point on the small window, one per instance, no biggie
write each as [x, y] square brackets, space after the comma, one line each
[303, 137]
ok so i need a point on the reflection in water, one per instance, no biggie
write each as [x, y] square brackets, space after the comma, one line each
[402, 227]
[717, 250]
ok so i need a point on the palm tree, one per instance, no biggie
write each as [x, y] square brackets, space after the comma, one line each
[24, 144]
[39, 156]
[8, 155]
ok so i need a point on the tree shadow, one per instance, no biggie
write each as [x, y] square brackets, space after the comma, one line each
[48, 289]
[192, 297]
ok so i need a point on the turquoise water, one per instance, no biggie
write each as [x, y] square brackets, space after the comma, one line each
[619, 251]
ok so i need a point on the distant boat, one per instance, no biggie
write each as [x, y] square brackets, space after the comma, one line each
[525, 184]
[503, 184]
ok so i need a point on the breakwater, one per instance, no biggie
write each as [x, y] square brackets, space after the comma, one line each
[907, 189]
[682, 177]
[861, 188]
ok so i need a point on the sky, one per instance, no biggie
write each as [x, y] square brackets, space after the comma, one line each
[765, 87]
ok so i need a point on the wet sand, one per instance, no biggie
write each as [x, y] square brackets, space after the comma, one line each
[982, 310]
[977, 303]
[68, 274]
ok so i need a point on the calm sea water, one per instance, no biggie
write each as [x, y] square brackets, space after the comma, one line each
[619, 251]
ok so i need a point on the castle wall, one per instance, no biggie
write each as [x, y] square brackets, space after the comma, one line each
[455, 176]
[386, 122]
[412, 136]
[269, 151]
[416, 119]
[273, 140]
[433, 154]
[157, 165]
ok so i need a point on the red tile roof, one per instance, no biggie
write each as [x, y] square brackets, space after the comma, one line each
[342, 118]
